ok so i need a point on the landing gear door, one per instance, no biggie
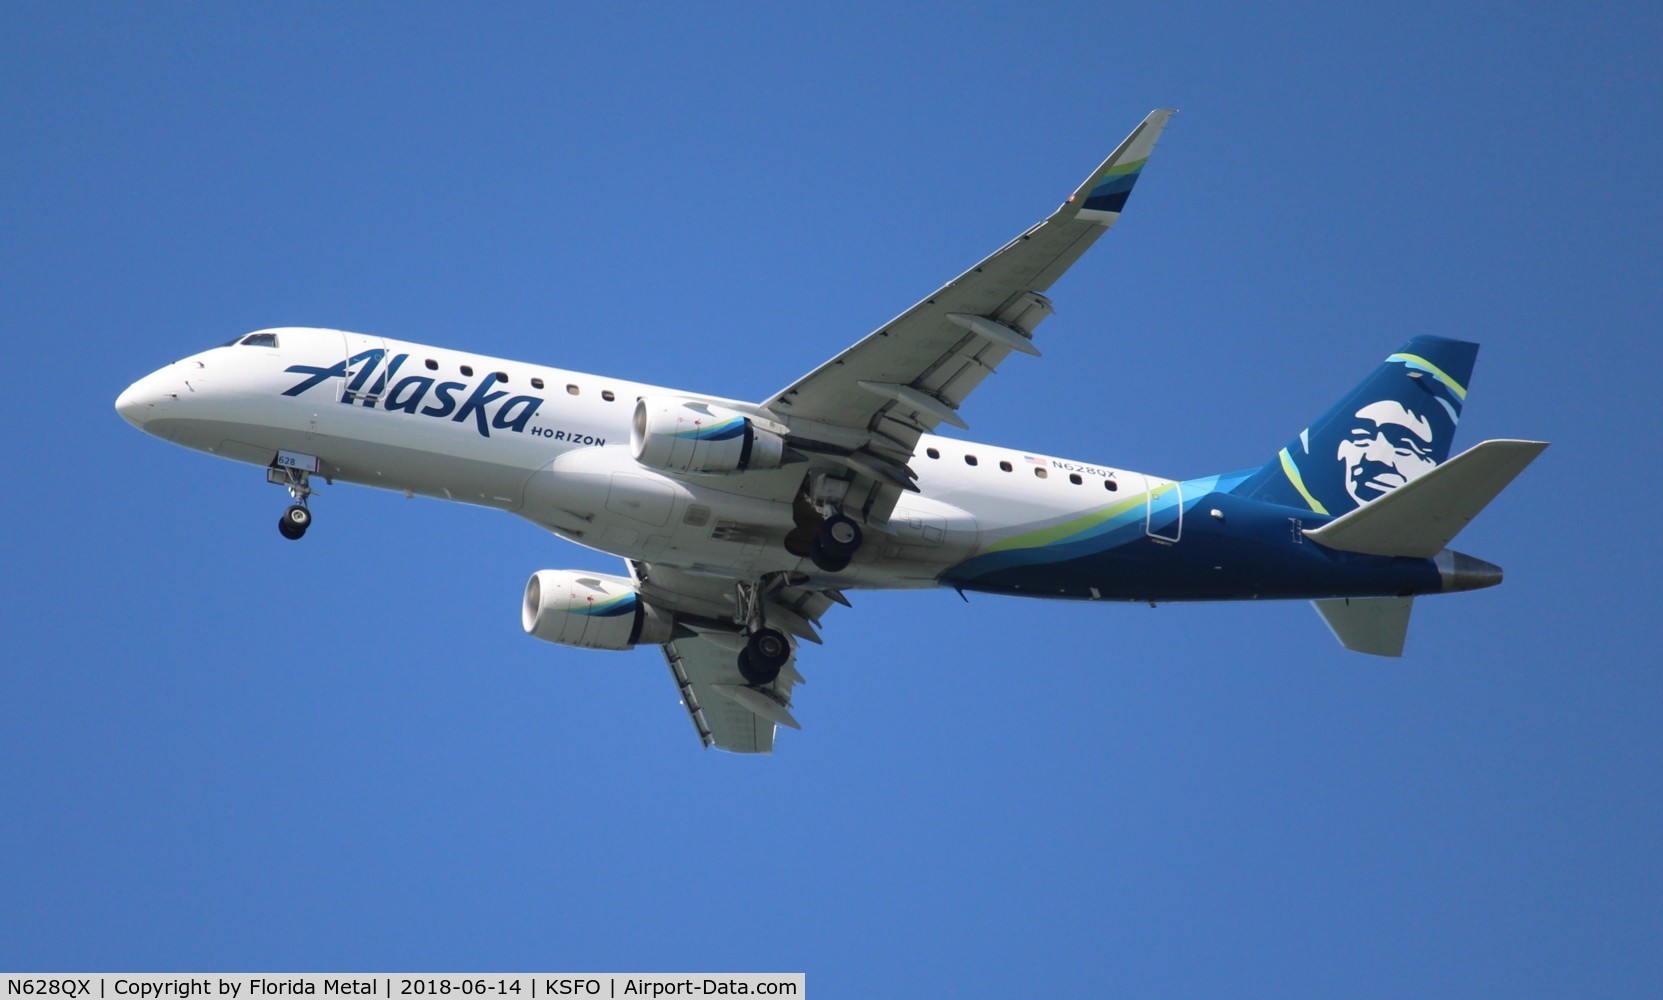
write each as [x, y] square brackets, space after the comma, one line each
[1163, 509]
[366, 377]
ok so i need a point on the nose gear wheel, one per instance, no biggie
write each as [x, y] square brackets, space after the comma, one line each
[294, 522]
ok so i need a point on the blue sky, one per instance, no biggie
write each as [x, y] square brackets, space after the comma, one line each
[224, 751]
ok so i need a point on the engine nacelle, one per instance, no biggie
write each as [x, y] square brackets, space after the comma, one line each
[590, 610]
[682, 435]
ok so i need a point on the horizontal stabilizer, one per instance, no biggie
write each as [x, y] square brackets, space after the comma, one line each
[1423, 515]
[1374, 625]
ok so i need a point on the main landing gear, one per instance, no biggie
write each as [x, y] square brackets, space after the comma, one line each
[826, 535]
[836, 543]
[767, 650]
[298, 517]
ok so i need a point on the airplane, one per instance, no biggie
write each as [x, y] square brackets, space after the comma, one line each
[742, 523]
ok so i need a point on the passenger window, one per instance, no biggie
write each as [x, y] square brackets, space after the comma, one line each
[1074, 477]
[970, 460]
[607, 395]
[1004, 466]
[467, 370]
[502, 376]
[571, 390]
[1110, 485]
[432, 365]
[1040, 472]
[536, 383]
[932, 453]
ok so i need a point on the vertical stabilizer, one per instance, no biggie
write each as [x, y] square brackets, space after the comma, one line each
[1397, 425]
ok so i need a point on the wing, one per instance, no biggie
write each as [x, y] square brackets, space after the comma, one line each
[871, 403]
[727, 712]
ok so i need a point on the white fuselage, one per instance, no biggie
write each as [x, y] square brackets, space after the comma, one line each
[553, 447]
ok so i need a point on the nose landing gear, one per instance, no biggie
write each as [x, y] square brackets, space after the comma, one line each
[295, 472]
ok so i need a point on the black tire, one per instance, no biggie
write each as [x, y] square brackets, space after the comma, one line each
[295, 521]
[840, 535]
[766, 651]
[754, 675]
[828, 562]
[836, 543]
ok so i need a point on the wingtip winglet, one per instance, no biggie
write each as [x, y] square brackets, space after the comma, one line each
[1102, 197]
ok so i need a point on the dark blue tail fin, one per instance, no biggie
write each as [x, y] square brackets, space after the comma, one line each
[1395, 426]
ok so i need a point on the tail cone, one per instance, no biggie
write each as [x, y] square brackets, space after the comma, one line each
[1462, 572]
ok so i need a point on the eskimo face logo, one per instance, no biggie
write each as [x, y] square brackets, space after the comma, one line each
[407, 394]
[1388, 445]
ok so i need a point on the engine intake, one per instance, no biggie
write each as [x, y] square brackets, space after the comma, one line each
[590, 610]
[681, 435]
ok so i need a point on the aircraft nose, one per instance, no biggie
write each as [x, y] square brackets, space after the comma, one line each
[137, 403]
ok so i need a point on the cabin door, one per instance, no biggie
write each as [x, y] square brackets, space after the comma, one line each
[1163, 510]
[367, 378]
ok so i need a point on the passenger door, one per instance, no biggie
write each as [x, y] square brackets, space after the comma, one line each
[1163, 510]
[366, 377]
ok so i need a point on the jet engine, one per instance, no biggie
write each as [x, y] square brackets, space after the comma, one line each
[590, 610]
[683, 435]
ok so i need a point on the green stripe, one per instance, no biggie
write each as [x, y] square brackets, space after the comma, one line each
[1067, 529]
[1298, 482]
[1437, 373]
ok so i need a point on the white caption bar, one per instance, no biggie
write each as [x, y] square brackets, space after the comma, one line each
[398, 986]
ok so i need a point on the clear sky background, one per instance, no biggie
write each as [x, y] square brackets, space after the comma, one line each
[223, 751]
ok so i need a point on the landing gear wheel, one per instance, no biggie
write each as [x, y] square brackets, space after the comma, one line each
[836, 543]
[294, 522]
[765, 652]
[752, 675]
[841, 533]
[825, 561]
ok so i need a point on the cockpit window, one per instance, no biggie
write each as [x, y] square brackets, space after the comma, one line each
[260, 340]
